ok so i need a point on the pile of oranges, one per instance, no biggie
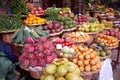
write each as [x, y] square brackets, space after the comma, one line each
[109, 41]
[86, 59]
[32, 19]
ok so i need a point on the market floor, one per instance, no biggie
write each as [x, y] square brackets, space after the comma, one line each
[117, 70]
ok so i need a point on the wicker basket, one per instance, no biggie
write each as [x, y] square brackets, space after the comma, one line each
[6, 35]
[88, 75]
[34, 72]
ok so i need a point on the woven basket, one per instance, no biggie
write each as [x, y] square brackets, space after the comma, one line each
[88, 75]
[34, 72]
[6, 35]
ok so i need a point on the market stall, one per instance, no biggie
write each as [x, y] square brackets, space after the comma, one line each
[56, 44]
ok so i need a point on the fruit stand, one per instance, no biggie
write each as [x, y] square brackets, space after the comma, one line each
[56, 44]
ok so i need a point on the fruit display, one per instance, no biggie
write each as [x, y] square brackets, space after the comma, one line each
[67, 22]
[51, 13]
[76, 36]
[53, 27]
[37, 52]
[67, 14]
[113, 32]
[37, 11]
[34, 20]
[79, 19]
[20, 35]
[101, 49]
[65, 9]
[61, 69]
[91, 27]
[109, 41]
[18, 6]
[108, 24]
[57, 41]
[10, 22]
[66, 51]
[86, 58]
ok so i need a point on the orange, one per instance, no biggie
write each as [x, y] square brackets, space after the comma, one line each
[74, 60]
[34, 22]
[81, 68]
[25, 21]
[80, 63]
[98, 65]
[93, 68]
[87, 56]
[92, 55]
[81, 57]
[87, 68]
[92, 62]
[86, 62]
[30, 15]
[29, 22]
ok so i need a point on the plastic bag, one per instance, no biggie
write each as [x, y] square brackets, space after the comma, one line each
[106, 72]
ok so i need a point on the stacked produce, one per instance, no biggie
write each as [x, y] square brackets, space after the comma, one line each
[86, 58]
[113, 32]
[61, 69]
[32, 19]
[91, 27]
[20, 35]
[53, 27]
[101, 49]
[79, 19]
[67, 14]
[76, 36]
[37, 52]
[66, 51]
[63, 42]
[10, 22]
[37, 11]
[65, 9]
[18, 6]
[66, 22]
[109, 41]
[51, 13]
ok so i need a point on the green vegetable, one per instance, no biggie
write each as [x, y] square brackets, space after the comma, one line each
[18, 6]
[10, 22]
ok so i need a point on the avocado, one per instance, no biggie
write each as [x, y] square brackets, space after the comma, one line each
[101, 44]
[108, 52]
[105, 48]
[98, 52]
[102, 53]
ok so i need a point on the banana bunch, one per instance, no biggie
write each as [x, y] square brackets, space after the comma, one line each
[19, 36]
